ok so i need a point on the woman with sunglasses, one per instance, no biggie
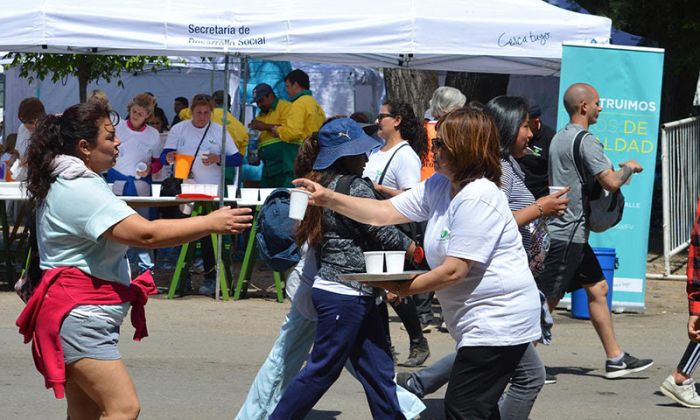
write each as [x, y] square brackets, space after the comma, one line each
[84, 230]
[393, 168]
[479, 268]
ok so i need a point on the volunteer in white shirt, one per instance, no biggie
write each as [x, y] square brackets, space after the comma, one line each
[140, 145]
[185, 138]
[30, 111]
[201, 138]
[479, 266]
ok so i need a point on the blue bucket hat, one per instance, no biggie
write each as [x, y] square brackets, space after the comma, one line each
[342, 137]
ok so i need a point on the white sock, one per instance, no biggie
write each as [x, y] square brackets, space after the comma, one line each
[618, 358]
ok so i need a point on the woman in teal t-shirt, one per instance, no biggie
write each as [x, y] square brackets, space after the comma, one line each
[81, 224]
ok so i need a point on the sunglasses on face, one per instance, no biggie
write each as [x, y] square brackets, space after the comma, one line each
[438, 143]
[381, 116]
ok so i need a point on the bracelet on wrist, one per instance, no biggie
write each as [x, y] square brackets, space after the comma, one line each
[540, 208]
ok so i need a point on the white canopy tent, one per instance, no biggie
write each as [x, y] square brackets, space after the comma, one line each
[498, 36]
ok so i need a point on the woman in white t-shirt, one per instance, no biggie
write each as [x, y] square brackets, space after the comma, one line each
[392, 168]
[139, 157]
[396, 165]
[479, 266]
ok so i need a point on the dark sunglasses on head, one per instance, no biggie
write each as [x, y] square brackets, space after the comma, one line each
[381, 116]
[438, 143]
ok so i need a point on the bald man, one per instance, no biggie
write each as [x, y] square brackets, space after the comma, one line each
[571, 263]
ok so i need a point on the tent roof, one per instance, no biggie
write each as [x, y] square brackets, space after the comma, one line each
[502, 36]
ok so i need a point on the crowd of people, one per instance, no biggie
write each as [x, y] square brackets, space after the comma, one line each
[499, 250]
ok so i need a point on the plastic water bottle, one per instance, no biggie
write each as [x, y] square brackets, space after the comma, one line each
[253, 158]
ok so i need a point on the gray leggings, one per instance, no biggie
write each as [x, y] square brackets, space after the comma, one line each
[517, 401]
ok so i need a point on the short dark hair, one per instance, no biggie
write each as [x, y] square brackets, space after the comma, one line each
[30, 110]
[298, 76]
[183, 100]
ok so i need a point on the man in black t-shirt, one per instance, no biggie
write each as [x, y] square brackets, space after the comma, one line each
[534, 165]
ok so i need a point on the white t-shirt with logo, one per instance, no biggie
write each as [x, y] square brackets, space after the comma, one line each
[497, 303]
[184, 138]
[403, 171]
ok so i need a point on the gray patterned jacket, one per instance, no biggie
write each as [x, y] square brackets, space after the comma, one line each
[344, 240]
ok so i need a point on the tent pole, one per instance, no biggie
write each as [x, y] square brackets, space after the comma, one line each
[222, 184]
[244, 92]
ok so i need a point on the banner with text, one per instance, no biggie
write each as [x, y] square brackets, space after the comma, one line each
[629, 83]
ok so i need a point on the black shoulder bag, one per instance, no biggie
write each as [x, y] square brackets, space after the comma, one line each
[171, 186]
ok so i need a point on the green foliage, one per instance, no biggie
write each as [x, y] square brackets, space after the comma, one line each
[86, 67]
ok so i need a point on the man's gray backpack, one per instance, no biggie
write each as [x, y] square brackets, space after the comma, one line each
[603, 209]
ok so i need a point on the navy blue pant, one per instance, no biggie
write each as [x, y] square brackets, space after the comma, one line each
[348, 327]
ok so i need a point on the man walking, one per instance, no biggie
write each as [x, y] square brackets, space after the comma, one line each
[571, 263]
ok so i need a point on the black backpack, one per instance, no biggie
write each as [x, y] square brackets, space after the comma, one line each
[414, 230]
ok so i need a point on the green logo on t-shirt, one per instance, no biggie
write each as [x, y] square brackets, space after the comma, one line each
[444, 234]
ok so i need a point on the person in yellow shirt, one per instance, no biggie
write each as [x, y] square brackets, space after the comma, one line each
[305, 115]
[277, 155]
[235, 128]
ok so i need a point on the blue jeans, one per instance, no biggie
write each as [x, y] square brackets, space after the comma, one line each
[349, 328]
[143, 256]
[288, 354]
[517, 401]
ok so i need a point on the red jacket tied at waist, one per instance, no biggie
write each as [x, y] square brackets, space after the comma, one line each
[60, 290]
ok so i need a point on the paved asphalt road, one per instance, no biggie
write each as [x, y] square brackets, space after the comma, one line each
[202, 355]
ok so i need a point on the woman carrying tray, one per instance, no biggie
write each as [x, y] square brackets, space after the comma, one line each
[479, 266]
[349, 324]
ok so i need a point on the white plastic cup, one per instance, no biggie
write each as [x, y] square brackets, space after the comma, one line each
[249, 195]
[140, 167]
[264, 192]
[155, 190]
[554, 189]
[394, 261]
[374, 262]
[231, 191]
[298, 201]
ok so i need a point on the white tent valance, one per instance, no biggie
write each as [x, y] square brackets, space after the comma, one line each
[502, 36]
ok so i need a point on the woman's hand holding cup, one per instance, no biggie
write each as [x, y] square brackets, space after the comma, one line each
[320, 196]
[555, 203]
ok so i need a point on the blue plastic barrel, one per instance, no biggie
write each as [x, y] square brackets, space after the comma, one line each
[579, 299]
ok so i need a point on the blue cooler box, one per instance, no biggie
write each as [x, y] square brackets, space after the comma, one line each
[579, 299]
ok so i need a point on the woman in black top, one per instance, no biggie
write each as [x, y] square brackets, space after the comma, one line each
[349, 324]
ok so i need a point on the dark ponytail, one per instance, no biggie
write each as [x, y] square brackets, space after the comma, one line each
[411, 128]
[56, 135]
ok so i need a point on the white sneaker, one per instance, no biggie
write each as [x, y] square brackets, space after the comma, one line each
[684, 394]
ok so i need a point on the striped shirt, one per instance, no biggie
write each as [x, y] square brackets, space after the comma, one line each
[519, 197]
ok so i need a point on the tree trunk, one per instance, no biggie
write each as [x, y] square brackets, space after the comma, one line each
[83, 74]
[480, 87]
[414, 87]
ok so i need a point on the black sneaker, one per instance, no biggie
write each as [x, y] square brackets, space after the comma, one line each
[549, 378]
[419, 352]
[406, 381]
[628, 364]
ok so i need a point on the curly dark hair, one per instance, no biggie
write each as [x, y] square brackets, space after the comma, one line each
[59, 135]
[411, 128]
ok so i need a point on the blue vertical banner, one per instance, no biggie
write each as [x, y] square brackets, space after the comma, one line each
[628, 80]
